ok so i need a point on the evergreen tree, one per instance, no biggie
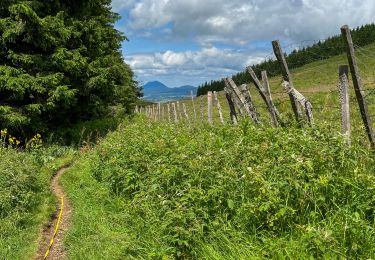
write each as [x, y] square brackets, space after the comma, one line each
[60, 62]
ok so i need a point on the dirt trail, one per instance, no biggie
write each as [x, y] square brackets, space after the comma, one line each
[57, 250]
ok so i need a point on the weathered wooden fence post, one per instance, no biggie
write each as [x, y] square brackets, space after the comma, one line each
[178, 109]
[169, 112]
[162, 112]
[201, 107]
[159, 111]
[194, 111]
[239, 95]
[219, 107]
[344, 100]
[235, 98]
[153, 112]
[287, 77]
[156, 112]
[175, 112]
[357, 83]
[304, 102]
[233, 114]
[209, 107]
[245, 101]
[245, 91]
[185, 112]
[265, 93]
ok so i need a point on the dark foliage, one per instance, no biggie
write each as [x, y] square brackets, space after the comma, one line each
[60, 63]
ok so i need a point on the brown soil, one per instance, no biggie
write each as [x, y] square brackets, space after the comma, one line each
[57, 250]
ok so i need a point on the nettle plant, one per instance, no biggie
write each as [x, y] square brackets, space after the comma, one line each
[185, 186]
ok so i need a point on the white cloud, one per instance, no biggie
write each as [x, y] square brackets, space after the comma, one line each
[207, 63]
[118, 5]
[247, 20]
[237, 23]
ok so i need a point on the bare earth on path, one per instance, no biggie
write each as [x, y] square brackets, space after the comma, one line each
[57, 250]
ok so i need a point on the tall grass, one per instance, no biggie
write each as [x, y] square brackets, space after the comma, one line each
[172, 191]
[26, 201]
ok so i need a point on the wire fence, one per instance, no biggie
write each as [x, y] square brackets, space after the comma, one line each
[317, 80]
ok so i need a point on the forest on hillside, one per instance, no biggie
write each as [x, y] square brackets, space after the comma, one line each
[321, 50]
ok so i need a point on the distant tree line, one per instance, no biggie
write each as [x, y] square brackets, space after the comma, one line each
[321, 50]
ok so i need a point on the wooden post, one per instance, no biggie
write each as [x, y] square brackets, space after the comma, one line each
[159, 111]
[162, 112]
[194, 111]
[185, 112]
[249, 101]
[169, 112]
[239, 95]
[219, 107]
[357, 83]
[154, 112]
[246, 101]
[209, 107]
[275, 115]
[304, 102]
[265, 93]
[344, 100]
[234, 97]
[201, 107]
[178, 109]
[175, 112]
[287, 77]
[233, 114]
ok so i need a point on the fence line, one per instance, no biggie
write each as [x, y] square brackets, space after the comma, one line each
[241, 105]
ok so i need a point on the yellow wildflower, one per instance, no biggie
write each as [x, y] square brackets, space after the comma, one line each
[4, 132]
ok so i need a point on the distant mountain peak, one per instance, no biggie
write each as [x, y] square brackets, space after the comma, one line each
[154, 84]
[157, 91]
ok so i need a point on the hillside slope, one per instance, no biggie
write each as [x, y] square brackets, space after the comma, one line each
[159, 190]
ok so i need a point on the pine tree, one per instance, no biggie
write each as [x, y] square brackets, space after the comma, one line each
[60, 62]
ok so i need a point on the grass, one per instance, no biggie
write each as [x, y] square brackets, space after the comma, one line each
[318, 81]
[181, 191]
[164, 191]
[26, 201]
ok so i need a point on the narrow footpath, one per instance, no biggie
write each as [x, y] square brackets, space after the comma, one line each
[57, 250]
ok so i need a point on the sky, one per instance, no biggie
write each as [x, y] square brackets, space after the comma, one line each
[188, 42]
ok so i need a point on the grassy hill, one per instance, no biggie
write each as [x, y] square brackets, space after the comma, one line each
[190, 190]
[318, 81]
[180, 191]
[165, 191]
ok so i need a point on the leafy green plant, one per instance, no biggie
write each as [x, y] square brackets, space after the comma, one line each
[26, 201]
[181, 192]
